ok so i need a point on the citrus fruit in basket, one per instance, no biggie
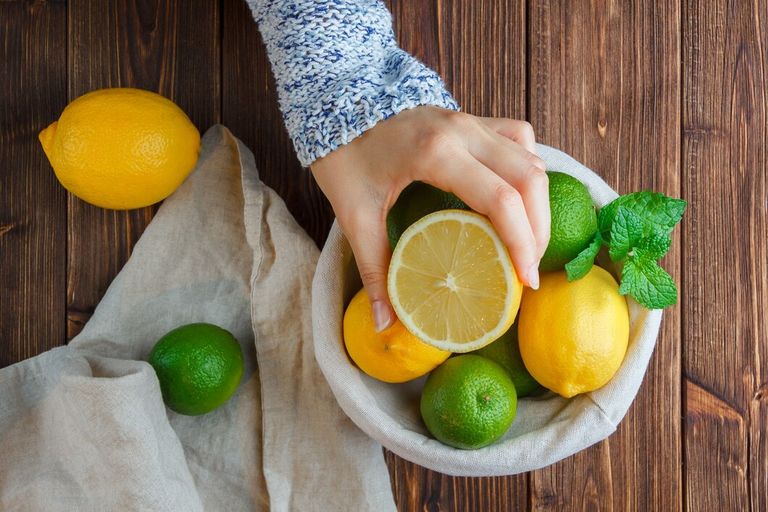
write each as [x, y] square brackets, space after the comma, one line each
[121, 148]
[573, 221]
[416, 201]
[451, 281]
[573, 336]
[468, 402]
[199, 367]
[506, 352]
[393, 355]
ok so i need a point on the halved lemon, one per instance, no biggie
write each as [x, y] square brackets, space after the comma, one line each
[452, 283]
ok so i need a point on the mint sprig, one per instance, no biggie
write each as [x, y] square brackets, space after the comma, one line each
[636, 229]
[579, 266]
[659, 213]
[655, 245]
[625, 233]
[647, 282]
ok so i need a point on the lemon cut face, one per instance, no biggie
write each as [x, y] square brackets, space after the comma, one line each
[451, 281]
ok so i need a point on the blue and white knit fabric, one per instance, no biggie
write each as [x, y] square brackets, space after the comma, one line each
[339, 70]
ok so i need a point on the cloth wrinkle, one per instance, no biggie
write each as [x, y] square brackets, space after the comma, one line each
[84, 427]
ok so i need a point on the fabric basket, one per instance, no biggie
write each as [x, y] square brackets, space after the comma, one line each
[546, 429]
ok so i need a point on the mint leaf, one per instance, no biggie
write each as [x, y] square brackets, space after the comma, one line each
[647, 282]
[626, 232]
[655, 246]
[658, 212]
[606, 214]
[579, 266]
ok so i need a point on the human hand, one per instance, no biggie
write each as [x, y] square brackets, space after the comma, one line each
[490, 163]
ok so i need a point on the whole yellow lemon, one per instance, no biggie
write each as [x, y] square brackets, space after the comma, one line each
[573, 336]
[121, 148]
[393, 355]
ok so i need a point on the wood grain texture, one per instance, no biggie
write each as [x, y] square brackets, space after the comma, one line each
[758, 443]
[250, 110]
[482, 55]
[605, 87]
[416, 488]
[725, 110]
[33, 208]
[582, 482]
[166, 46]
[479, 50]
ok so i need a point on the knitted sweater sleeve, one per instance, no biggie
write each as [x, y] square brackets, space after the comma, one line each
[339, 70]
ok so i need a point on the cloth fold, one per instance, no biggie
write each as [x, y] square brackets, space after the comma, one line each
[83, 427]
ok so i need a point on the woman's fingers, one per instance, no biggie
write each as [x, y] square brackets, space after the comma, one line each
[535, 192]
[487, 193]
[525, 172]
[489, 163]
[519, 131]
[367, 234]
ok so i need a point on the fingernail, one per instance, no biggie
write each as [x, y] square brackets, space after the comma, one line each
[382, 317]
[533, 276]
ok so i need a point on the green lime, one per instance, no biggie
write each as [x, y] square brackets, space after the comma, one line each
[199, 366]
[506, 352]
[574, 221]
[415, 201]
[468, 402]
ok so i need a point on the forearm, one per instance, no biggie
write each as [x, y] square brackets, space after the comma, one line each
[339, 70]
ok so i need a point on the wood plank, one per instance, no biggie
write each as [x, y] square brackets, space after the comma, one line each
[725, 110]
[416, 488]
[482, 56]
[582, 482]
[758, 440]
[166, 46]
[33, 205]
[604, 87]
[479, 50]
[250, 110]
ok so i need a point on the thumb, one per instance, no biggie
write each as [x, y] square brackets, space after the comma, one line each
[367, 234]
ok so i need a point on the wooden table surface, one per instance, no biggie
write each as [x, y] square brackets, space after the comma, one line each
[663, 95]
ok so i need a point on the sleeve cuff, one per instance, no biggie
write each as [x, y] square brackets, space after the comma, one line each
[357, 104]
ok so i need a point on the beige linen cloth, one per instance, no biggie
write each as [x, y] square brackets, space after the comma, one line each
[84, 427]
